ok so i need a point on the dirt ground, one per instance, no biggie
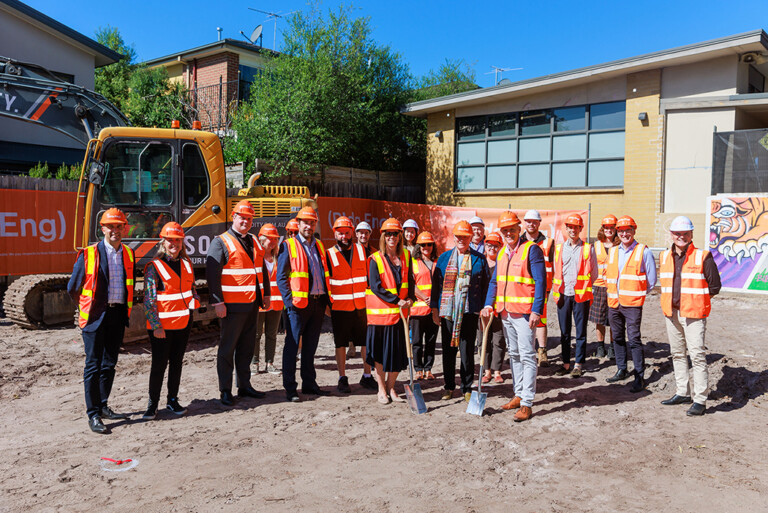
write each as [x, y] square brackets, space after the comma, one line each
[591, 446]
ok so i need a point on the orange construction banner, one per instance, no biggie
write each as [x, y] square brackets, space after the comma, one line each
[36, 232]
[436, 219]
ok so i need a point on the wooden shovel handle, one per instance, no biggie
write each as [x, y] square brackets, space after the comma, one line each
[408, 348]
[486, 328]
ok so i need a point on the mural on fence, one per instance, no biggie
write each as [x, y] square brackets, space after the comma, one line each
[738, 240]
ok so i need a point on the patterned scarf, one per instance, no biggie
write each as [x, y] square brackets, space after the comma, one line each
[454, 297]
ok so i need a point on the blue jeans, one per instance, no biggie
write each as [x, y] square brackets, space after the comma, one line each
[522, 356]
[568, 309]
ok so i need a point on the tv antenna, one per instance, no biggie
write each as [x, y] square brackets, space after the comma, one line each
[255, 35]
[273, 16]
[497, 72]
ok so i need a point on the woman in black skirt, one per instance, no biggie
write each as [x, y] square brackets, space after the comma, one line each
[390, 290]
[169, 298]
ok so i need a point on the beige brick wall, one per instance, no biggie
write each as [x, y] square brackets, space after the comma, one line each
[639, 198]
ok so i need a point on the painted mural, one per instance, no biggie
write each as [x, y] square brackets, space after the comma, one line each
[738, 240]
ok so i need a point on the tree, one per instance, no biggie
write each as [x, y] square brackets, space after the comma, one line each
[331, 97]
[112, 80]
[153, 100]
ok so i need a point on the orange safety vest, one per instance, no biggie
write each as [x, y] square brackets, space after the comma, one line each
[602, 258]
[348, 283]
[381, 313]
[516, 289]
[423, 277]
[546, 247]
[275, 299]
[299, 277]
[630, 287]
[242, 272]
[175, 300]
[694, 289]
[91, 263]
[583, 288]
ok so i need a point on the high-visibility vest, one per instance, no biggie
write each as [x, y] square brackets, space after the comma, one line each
[515, 286]
[423, 277]
[381, 313]
[629, 288]
[299, 277]
[348, 283]
[694, 289]
[583, 287]
[275, 299]
[175, 300]
[243, 272]
[546, 247]
[91, 263]
[602, 264]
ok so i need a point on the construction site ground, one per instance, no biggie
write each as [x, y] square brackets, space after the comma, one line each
[591, 446]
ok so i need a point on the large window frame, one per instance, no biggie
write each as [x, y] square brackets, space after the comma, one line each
[492, 121]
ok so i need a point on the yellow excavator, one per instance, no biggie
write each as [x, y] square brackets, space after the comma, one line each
[154, 175]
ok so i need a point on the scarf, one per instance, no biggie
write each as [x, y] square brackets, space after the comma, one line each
[453, 300]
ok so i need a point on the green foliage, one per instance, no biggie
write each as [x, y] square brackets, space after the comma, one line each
[62, 172]
[153, 100]
[453, 76]
[112, 80]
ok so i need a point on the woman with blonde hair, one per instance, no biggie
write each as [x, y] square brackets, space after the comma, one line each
[169, 298]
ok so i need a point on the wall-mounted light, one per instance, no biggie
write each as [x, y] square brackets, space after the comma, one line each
[643, 116]
[439, 135]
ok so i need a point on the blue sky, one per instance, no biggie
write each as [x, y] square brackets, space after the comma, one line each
[540, 37]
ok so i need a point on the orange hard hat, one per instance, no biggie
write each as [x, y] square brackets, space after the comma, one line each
[343, 222]
[244, 209]
[391, 225]
[609, 220]
[462, 228]
[307, 214]
[574, 220]
[626, 222]
[507, 219]
[494, 238]
[172, 230]
[113, 216]
[425, 238]
[269, 230]
[292, 225]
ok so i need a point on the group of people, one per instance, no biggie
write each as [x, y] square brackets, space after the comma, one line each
[373, 295]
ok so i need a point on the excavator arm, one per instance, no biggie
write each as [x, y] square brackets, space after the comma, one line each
[36, 95]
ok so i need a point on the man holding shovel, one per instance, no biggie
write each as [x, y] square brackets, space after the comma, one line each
[518, 285]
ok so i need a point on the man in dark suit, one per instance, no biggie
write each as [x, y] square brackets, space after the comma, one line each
[102, 286]
[462, 273]
[302, 277]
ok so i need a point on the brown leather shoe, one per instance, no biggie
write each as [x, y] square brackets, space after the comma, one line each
[542, 354]
[513, 404]
[524, 413]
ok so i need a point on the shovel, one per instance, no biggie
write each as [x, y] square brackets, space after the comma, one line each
[477, 400]
[413, 392]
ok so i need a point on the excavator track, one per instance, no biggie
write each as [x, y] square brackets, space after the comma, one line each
[38, 301]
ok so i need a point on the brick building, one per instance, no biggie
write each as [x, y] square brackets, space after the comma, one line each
[633, 136]
[217, 75]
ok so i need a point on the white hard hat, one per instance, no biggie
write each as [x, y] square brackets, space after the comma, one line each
[362, 225]
[476, 220]
[681, 224]
[410, 223]
[532, 215]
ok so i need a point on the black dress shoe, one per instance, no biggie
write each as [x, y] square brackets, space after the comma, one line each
[96, 425]
[315, 391]
[620, 375]
[638, 385]
[227, 399]
[695, 410]
[677, 399]
[293, 398]
[249, 391]
[109, 414]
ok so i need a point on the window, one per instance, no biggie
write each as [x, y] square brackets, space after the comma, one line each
[195, 176]
[248, 75]
[141, 225]
[568, 147]
[138, 173]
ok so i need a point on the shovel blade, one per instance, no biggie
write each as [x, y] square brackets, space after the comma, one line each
[477, 403]
[415, 399]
